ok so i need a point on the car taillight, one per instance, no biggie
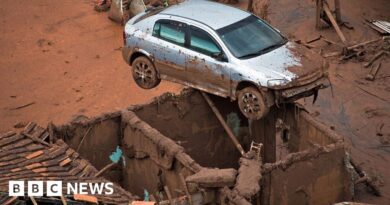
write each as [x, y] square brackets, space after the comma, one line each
[124, 37]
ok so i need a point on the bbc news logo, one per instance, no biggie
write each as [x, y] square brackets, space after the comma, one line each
[54, 188]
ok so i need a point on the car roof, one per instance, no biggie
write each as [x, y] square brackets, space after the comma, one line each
[215, 15]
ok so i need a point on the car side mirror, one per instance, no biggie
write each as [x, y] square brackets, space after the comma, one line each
[220, 56]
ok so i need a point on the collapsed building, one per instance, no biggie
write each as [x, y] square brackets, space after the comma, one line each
[27, 156]
[176, 151]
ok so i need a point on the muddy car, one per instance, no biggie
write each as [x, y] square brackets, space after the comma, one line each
[223, 51]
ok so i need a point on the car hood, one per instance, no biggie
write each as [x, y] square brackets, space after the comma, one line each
[289, 64]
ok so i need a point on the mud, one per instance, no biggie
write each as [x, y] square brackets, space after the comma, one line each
[48, 56]
[247, 184]
[76, 81]
[207, 177]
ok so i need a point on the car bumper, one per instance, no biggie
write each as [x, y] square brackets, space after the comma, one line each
[295, 93]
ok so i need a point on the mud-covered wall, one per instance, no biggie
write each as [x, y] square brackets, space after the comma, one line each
[95, 139]
[188, 120]
[152, 160]
[314, 170]
[304, 131]
[317, 177]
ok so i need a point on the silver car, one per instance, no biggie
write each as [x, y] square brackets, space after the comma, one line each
[221, 50]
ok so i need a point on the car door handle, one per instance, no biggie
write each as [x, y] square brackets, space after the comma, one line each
[192, 60]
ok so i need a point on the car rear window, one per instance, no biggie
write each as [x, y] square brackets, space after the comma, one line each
[171, 31]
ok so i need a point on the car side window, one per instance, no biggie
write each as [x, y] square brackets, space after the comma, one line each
[171, 31]
[202, 42]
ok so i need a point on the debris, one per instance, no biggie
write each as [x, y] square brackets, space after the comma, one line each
[20, 155]
[331, 42]
[20, 125]
[169, 195]
[183, 181]
[314, 39]
[332, 54]
[333, 21]
[256, 149]
[304, 44]
[143, 203]
[10, 201]
[375, 57]
[33, 200]
[107, 167]
[51, 128]
[114, 157]
[233, 196]
[363, 44]
[86, 198]
[249, 176]
[63, 200]
[23, 106]
[146, 195]
[324, 13]
[383, 25]
[374, 70]
[365, 178]
[207, 177]
[102, 5]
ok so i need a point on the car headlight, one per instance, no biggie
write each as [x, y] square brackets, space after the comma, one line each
[276, 82]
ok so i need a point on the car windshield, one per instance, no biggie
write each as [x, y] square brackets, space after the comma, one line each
[250, 37]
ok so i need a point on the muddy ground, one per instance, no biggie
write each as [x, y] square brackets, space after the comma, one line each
[62, 59]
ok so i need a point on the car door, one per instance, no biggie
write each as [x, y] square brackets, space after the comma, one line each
[207, 67]
[167, 50]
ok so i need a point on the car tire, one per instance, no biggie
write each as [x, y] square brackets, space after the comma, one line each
[145, 73]
[251, 103]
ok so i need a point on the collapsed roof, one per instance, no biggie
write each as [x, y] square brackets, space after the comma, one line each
[27, 156]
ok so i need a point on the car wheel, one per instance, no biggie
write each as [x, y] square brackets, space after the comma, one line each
[144, 73]
[251, 103]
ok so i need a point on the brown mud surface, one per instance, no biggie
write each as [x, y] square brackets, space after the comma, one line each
[59, 59]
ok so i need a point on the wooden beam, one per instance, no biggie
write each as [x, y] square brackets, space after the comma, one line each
[107, 167]
[51, 132]
[334, 23]
[10, 201]
[63, 200]
[183, 181]
[33, 200]
[363, 43]
[168, 192]
[223, 123]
